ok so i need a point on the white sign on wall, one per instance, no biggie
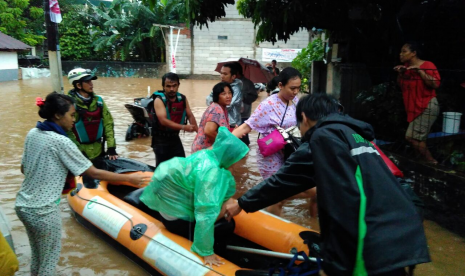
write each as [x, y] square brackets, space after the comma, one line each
[280, 55]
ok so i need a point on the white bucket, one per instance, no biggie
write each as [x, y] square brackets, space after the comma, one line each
[451, 122]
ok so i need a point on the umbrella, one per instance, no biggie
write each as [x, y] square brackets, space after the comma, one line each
[253, 70]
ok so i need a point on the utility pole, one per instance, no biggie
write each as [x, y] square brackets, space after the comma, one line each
[54, 56]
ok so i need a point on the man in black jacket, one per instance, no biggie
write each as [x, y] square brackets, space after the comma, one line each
[369, 226]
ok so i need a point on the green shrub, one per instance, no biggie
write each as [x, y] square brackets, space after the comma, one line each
[303, 61]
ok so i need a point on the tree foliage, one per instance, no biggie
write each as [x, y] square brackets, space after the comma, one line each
[75, 39]
[198, 12]
[22, 20]
[126, 28]
[278, 20]
[371, 19]
[303, 61]
[371, 30]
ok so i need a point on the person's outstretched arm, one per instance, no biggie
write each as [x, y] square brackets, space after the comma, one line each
[109, 132]
[242, 130]
[191, 117]
[294, 177]
[136, 178]
[162, 117]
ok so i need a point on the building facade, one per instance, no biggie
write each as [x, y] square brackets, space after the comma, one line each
[9, 48]
[200, 49]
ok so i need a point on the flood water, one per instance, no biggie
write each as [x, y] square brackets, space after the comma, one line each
[85, 254]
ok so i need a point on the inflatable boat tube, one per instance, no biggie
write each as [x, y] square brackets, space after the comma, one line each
[133, 230]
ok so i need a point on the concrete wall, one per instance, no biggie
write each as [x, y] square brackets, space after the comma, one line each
[118, 68]
[8, 66]
[228, 38]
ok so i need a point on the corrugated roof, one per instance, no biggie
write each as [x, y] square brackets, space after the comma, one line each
[9, 43]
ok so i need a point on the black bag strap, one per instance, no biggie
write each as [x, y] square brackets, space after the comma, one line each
[282, 120]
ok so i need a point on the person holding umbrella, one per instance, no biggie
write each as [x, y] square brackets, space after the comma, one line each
[249, 95]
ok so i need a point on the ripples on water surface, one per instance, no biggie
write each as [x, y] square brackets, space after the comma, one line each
[85, 254]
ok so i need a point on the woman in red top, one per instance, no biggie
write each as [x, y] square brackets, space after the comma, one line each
[215, 116]
[418, 80]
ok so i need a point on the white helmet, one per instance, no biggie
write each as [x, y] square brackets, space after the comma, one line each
[80, 74]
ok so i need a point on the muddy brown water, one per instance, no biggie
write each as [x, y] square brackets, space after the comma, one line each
[85, 254]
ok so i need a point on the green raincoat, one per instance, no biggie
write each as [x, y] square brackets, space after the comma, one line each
[195, 187]
[95, 149]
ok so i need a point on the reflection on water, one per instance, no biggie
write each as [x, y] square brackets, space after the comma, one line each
[85, 254]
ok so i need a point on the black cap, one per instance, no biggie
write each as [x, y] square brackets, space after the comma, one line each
[87, 78]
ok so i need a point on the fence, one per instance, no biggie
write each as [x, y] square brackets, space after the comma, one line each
[406, 116]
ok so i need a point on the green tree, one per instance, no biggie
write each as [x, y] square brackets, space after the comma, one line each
[127, 28]
[75, 38]
[303, 61]
[198, 12]
[278, 20]
[23, 21]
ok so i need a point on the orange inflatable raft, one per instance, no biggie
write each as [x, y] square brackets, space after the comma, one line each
[145, 240]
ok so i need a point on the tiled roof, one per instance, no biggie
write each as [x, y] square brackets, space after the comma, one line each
[9, 43]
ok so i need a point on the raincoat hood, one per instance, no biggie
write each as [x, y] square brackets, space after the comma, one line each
[228, 149]
[194, 188]
[360, 127]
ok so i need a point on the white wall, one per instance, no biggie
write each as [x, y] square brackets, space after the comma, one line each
[209, 49]
[8, 60]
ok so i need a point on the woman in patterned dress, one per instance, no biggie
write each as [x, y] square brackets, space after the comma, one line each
[215, 116]
[48, 157]
[268, 115]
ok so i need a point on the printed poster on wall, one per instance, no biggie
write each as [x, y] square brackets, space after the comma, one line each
[280, 55]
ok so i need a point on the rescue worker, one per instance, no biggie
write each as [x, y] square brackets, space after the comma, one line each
[171, 113]
[369, 225]
[94, 124]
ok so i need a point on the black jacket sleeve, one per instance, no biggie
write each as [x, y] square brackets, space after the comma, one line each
[295, 176]
[338, 203]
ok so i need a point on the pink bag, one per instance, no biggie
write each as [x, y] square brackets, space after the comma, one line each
[271, 143]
